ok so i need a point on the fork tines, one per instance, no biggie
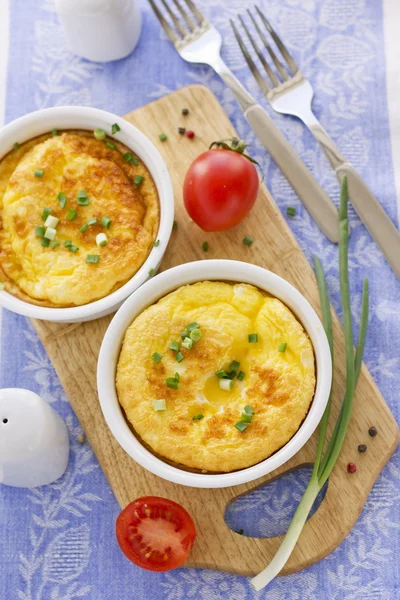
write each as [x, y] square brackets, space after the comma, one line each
[181, 19]
[284, 70]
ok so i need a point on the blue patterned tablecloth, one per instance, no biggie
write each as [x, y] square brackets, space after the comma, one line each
[57, 542]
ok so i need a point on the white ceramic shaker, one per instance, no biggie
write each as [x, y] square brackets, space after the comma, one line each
[100, 30]
[34, 443]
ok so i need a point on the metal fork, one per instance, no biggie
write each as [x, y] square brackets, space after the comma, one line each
[289, 92]
[197, 41]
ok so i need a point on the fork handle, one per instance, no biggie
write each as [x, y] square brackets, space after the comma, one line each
[314, 198]
[365, 203]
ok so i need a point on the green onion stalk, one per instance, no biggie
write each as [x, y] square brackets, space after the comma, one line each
[325, 461]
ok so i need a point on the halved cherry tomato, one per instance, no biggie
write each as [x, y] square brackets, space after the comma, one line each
[220, 189]
[155, 533]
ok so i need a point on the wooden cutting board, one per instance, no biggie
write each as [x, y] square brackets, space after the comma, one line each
[73, 350]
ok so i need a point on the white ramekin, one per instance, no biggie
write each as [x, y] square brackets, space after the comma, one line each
[225, 270]
[82, 117]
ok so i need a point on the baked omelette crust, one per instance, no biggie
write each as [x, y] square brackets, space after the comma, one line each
[71, 162]
[279, 386]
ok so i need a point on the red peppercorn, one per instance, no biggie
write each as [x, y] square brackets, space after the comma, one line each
[190, 134]
[351, 468]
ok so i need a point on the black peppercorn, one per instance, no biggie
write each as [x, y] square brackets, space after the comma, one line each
[181, 130]
[372, 431]
[362, 448]
[185, 111]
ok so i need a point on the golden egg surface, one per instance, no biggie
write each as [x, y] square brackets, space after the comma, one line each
[278, 383]
[96, 183]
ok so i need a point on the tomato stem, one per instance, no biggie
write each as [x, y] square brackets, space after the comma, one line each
[236, 145]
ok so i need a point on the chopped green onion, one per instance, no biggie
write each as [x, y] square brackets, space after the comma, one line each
[159, 405]
[197, 417]
[39, 173]
[172, 382]
[177, 376]
[156, 357]
[67, 243]
[62, 199]
[241, 376]
[83, 201]
[82, 194]
[54, 133]
[16, 146]
[110, 145]
[72, 214]
[175, 225]
[73, 248]
[247, 241]
[138, 179]
[45, 242]
[241, 426]
[195, 335]
[45, 213]
[253, 338]
[101, 239]
[152, 272]
[92, 258]
[221, 373]
[291, 211]
[51, 222]
[54, 244]
[128, 157]
[106, 222]
[84, 228]
[192, 326]
[226, 384]
[156, 243]
[99, 134]
[234, 366]
[50, 233]
[246, 418]
[179, 357]
[39, 231]
[282, 347]
[248, 410]
[163, 137]
[115, 128]
[187, 343]
[184, 334]
[92, 221]
[174, 346]
[205, 246]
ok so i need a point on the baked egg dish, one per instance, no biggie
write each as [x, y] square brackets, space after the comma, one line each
[215, 376]
[79, 214]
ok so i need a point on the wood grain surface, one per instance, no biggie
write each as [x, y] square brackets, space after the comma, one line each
[73, 350]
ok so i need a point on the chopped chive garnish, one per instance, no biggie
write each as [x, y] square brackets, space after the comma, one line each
[291, 211]
[246, 418]
[73, 248]
[234, 366]
[92, 258]
[92, 221]
[110, 145]
[179, 357]
[247, 241]
[39, 231]
[99, 134]
[177, 376]
[156, 357]
[172, 383]
[253, 338]
[221, 373]
[106, 222]
[192, 326]
[83, 199]
[84, 228]
[184, 334]
[152, 272]
[174, 346]
[138, 179]
[205, 246]
[248, 410]
[156, 243]
[163, 137]
[241, 375]
[67, 243]
[130, 158]
[187, 343]
[16, 146]
[82, 194]
[46, 212]
[62, 199]
[72, 214]
[175, 225]
[197, 417]
[282, 347]
[50, 233]
[226, 384]
[45, 242]
[195, 335]
[115, 128]
[159, 405]
[241, 426]
[51, 222]
[54, 244]
[54, 132]
[101, 239]
[39, 173]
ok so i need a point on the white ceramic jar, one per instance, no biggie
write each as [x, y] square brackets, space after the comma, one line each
[100, 30]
